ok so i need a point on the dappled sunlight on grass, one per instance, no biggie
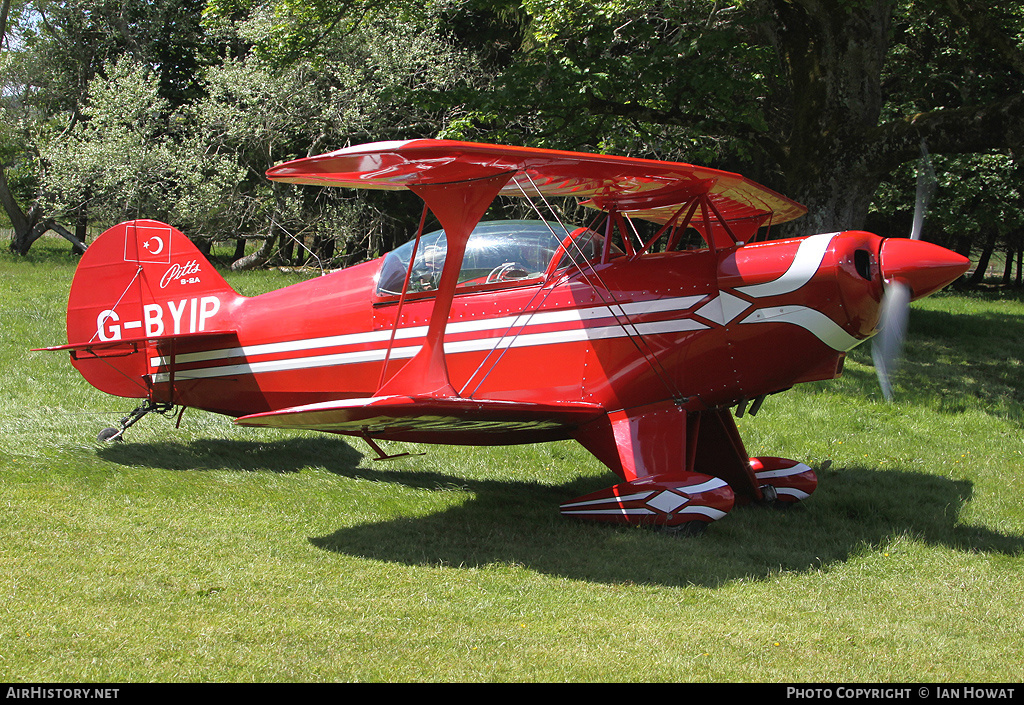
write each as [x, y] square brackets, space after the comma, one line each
[962, 362]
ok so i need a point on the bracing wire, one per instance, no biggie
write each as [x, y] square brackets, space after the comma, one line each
[649, 355]
[621, 318]
[113, 308]
[300, 243]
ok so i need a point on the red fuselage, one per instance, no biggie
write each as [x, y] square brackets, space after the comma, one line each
[703, 327]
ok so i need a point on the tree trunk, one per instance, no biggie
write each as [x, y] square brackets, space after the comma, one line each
[1020, 266]
[23, 239]
[833, 149]
[23, 223]
[832, 55]
[1015, 252]
[327, 248]
[30, 226]
[77, 245]
[261, 256]
[5, 9]
[21, 245]
[986, 254]
[81, 228]
[257, 258]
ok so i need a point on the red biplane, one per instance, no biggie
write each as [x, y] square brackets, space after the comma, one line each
[504, 332]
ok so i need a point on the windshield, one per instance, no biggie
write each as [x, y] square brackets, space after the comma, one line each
[497, 251]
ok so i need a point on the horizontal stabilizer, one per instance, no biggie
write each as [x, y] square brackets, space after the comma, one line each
[163, 344]
[456, 420]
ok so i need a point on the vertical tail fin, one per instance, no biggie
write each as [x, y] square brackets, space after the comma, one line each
[139, 285]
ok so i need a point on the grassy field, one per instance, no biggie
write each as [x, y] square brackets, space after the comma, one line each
[215, 553]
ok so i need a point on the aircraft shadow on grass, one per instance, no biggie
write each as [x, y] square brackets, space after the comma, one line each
[854, 510]
[518, 523]
[280, 456]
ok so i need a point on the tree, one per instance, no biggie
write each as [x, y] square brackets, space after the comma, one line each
[818, 98]
[976, 209]
[821, 99]
[15, 182]
[61, 45]
[137, 149]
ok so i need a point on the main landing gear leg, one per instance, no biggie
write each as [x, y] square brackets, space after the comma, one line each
[654, 450]
[117, 434]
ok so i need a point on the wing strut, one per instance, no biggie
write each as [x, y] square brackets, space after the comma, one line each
[401, 299]
[459, 207]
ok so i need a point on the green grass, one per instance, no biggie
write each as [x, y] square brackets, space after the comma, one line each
[217, 553]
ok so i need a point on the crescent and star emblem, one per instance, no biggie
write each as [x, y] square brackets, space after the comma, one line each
[148, 245]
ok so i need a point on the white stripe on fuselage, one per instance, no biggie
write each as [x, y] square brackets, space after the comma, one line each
[801, 270]
[817, 323]
[510, 338]
[577, 315]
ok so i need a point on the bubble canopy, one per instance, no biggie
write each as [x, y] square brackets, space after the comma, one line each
[501, 251]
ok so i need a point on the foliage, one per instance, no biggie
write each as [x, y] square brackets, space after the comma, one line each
[977, 203]
[69, 41]
[980, 191]
[973, 192]
[132, 151]
[823, 101]
[119, 161]
[644, 78]
[819, 100]
[58, 47]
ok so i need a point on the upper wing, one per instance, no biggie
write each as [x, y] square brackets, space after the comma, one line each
[643, 188]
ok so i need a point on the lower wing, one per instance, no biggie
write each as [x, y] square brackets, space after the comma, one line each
[435, 420]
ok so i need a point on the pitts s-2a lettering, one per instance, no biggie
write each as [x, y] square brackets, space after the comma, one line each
[503, 332]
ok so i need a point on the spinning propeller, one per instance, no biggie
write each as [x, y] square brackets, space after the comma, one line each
[911, 269]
